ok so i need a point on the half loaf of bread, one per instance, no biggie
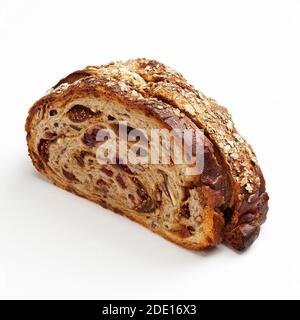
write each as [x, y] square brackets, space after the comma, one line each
[225, 202]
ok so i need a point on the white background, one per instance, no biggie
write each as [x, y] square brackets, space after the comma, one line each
[243, 53]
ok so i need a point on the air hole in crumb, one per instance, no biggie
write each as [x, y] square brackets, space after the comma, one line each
[110, 118]
[53, 112]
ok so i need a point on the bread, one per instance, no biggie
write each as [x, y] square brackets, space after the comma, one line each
[226, 203]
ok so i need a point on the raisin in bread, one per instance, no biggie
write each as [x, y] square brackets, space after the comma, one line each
[226, 203]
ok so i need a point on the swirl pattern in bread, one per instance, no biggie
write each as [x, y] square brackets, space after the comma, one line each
[227, 202]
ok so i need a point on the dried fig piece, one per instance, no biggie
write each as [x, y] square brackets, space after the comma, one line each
[69, 175]
[147, 204]
[79, 113]
[211, 175]
[50, 135]
[107, 171]
[124, 168]
[110, 118]
[132, 198]
[121, 182]
[101, 182]
[140, 190]
[95, 136]
[80, 158]
[38, 162]
[102, 186]
[43, 149]
[185, 211]
[90, 138]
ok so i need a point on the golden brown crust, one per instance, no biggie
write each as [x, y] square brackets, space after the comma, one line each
[163, 93]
